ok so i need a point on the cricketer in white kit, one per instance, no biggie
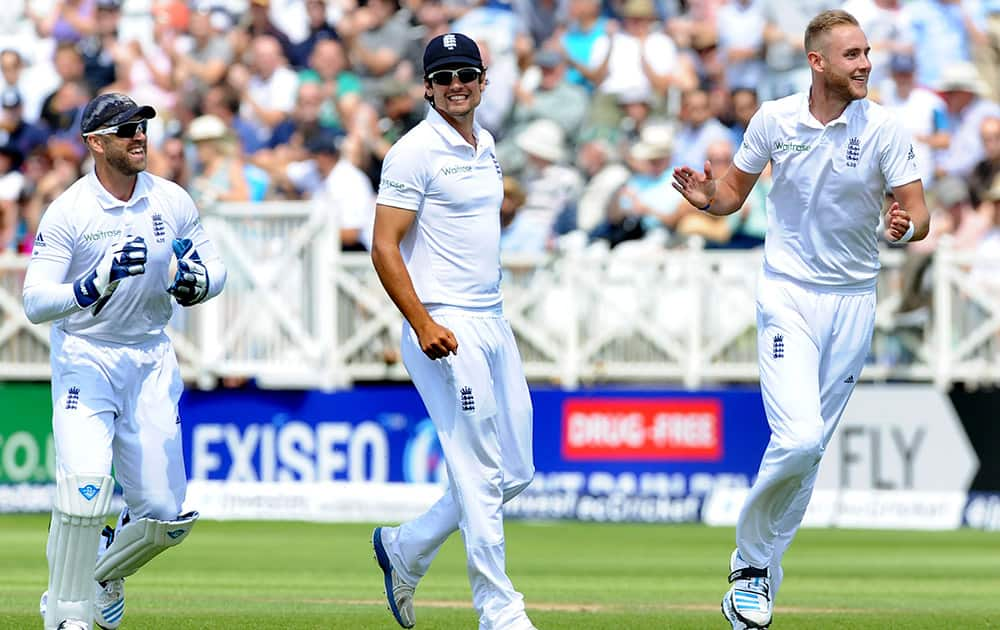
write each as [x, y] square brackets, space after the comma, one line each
[99, 272]
[436, 249]
[833, 156]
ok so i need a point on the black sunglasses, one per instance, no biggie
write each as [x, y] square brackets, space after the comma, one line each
[445, 77]
[124, 130]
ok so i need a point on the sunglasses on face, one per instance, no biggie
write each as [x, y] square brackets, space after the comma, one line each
[445, 77]
[124, 130]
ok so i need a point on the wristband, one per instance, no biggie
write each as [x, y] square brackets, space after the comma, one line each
[905, 238]
[707, 205]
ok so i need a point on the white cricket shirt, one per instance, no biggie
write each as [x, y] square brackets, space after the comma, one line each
[452, 250]
[76, 231]
[829, 184]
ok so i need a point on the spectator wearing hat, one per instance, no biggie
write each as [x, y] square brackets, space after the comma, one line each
[985, 173]
[638, 58]
[920, 111]
[345, 194]
[14, 130]
[647, 201]
[551, 186]
[961, 146]
[218, 172]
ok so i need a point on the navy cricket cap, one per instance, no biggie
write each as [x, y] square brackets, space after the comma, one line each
[113, 108]
[451, 50]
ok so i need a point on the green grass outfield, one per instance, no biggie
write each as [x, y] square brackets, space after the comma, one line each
[574, 576]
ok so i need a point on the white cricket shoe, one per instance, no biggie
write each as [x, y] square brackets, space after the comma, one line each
[109, 598]
[109, 604]
[748, 602]
[398, 593]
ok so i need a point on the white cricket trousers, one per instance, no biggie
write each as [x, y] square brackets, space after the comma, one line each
[115, 403]
[811, 347]
[479, 402]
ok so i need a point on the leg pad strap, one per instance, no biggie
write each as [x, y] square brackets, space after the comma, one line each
[140, 541]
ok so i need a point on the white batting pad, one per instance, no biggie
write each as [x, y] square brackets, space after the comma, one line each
[140, 541]
[81, 505]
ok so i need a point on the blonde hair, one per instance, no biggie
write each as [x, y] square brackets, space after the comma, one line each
[824, 23]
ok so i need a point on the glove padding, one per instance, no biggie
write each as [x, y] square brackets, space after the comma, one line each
[191, 280]
[126, 257]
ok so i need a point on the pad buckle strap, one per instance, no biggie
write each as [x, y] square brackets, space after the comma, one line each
[747, 573]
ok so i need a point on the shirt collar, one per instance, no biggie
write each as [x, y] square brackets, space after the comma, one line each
[451, 135]
[107, 201]
[806, 118]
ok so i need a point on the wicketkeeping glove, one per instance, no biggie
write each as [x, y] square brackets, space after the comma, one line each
[191, 280]
[126, 257]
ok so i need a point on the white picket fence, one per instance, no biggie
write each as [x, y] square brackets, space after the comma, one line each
[297, 313]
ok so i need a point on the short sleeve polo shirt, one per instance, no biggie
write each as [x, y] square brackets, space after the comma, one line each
[452, 250]
[829, 183]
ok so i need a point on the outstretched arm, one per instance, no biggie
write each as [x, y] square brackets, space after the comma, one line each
[391, 225]
[718, 197]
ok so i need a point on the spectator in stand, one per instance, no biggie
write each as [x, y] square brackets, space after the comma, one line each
[145, 70]
[888, 34]
[647, 203]
[376, 39]
[551, 187]
[344, 190]
[604, 174]
[218, 174]
[223, 101]
[433, 20]
[943, 32]
[698, 129]
[744, 105]
[961, 145]
[741, 43]
[303, 121]
[986, 269]
[13, 75]
[918, 109]
[319, 29]
[543, 93]
[401, 111]
[586, 26]
[170, 162]
[268, 90]
[638, 58]
[516, 237]
[983, 176]
[65, 109]
[68, 21]
[101, 49]
[70, 70]
[786, 69]
[259, 24]
[987, 52]
[342, 92]
[14, 130]
[201, 59]
[11, 187]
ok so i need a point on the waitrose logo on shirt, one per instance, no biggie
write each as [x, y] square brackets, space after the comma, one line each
[452, 170]
[101, 235]
[790, 146]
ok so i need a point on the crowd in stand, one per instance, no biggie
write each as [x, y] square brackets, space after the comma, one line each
[592, 103]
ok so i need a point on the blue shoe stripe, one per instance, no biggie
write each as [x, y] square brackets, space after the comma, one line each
[115, 610]
[383, 562]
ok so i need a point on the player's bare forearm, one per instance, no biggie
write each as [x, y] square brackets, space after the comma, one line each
[910, 207]
[398, 285]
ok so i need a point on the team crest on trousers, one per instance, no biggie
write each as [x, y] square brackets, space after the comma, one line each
[468, 402]
[778, 346]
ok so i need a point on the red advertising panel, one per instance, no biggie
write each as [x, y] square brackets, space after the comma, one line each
[645, 429]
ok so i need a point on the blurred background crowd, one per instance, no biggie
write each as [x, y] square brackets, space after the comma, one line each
[592, 103]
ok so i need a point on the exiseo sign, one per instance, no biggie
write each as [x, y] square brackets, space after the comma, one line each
[603, 429]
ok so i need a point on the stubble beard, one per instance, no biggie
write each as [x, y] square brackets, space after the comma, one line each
[122, 162]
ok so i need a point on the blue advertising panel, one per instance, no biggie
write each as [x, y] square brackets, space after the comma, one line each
[601, 454]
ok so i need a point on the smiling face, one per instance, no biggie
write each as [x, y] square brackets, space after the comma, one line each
[125, 155]
[457, 99]
[842, 60]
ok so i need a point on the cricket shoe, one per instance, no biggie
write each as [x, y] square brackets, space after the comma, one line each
[398, 593]
[109, 599]
[748, 602]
